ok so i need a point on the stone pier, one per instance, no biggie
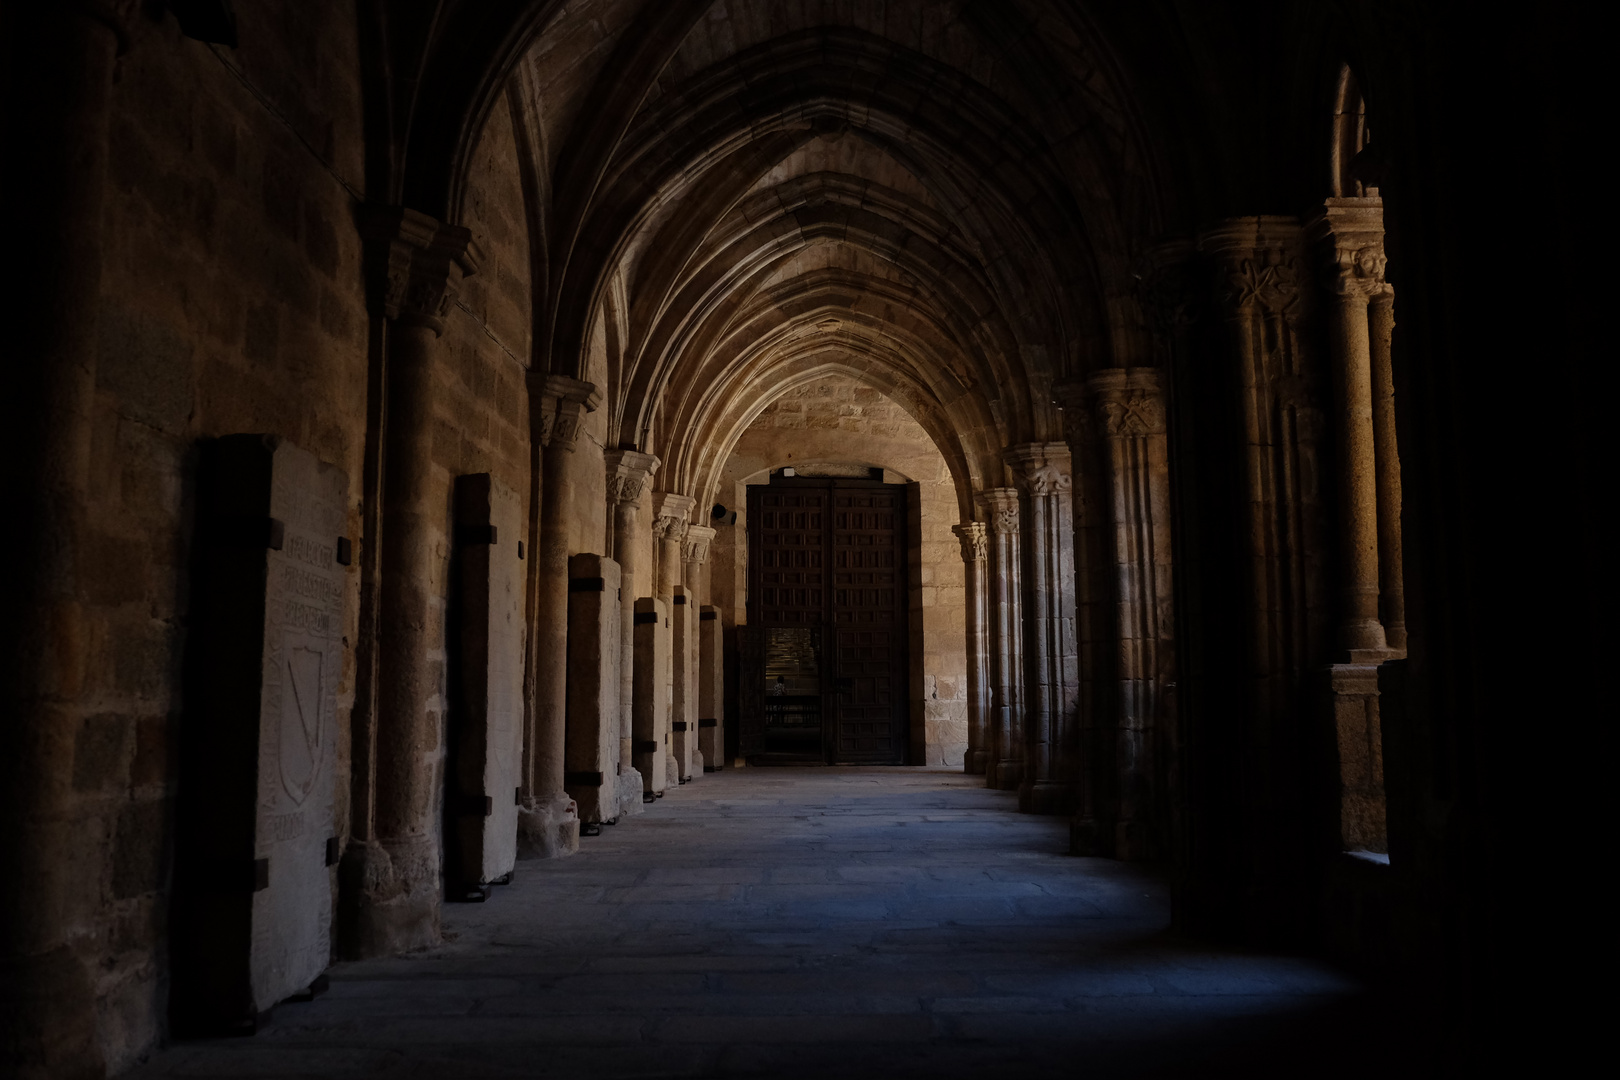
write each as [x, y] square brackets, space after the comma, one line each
[711, 688]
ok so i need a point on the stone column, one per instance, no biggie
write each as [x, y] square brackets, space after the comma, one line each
[1391, 590]
[687, 646]
[1006, 729]
[1130, 412]
[628, 472]
[57, 88]
[397, 875]
[670, 513]
[1352, 231]
[549, 825]
[975, 551]
[1051, 669]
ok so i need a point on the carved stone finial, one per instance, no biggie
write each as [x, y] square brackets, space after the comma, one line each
[974, 539]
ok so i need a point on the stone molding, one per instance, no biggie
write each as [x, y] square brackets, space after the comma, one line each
[1351, 235]
[1041, 468]
[1129, 402]
[975, 541]
[627, 474]
[1258, 264]
[417, 265]
[563, 405]
[695, 548]
[1001, 506]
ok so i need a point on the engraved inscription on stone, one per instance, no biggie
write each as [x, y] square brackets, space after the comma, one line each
[298, 722]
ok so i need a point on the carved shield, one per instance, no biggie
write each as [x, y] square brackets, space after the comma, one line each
[301, 734]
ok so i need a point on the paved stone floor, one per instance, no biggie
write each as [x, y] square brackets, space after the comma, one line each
[787, 922]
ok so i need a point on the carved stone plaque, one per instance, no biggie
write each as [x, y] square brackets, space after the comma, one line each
[257, 831]
[487, 730]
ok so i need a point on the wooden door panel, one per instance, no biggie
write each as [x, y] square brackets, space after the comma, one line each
[825, 553]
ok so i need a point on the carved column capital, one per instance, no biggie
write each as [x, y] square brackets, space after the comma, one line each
[562, 403]
[1001, 507]
[1257, 264]
[670, 513]
[974, 539]
[1350, 234]
[1041, 468]
[416, 265]
[695, 548]
[627, 474]
[1129, 403]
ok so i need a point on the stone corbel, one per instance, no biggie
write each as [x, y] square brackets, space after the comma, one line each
[416, 265]
[563, 405]
[627, 474]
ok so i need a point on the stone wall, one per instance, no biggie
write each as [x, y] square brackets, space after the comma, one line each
[233, 300]
[836, 420]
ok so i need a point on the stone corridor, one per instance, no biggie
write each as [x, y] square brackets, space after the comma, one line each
[773, 922]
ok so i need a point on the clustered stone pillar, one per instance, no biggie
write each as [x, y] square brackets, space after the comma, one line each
[975, 551]
[627, 473]
[58, 90]
[1051, 659]
[1130, 412]
[548, 825]
[1353, 233]
[396, 875]
[1006, 729]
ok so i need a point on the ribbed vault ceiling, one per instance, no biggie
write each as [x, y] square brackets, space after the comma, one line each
[941, 199]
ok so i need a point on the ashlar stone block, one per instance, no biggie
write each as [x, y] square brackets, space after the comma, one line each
[650, 705]
[684, 696]
[711, 688]
[594, 681]
[257, 844]
[487, 730]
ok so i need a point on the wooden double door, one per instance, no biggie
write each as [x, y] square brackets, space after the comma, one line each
[824, 655]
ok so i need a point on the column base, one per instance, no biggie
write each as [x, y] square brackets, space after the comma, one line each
[1045, 797]
[1350, 695]
[1004, 775]
[1090, 837]
[975, 763]
[389, 898]
[1134, 841]
[49, 1022]
[548, 829]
